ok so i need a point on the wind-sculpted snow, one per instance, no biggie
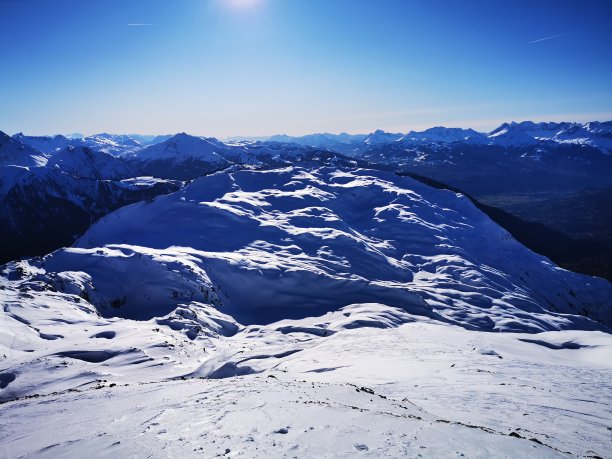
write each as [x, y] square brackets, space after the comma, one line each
[343, 310]
[294, 242]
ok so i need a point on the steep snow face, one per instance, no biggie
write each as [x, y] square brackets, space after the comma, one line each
[511, 135]
[444, 135]
[339, 142]
[42, 208]
[594, 134]
[182, 147]
[44, 144]
[87, 163]
[379, 136]
[113, 144]
[297, 242]
[117, 145]
[15, 153]
[185, 157]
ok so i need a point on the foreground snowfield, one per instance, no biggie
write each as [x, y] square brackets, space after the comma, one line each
[302, 313]
[422, 388]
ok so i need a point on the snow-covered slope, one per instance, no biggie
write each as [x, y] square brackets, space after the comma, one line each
[320, 239]
[182, 147]
[113, 144]
[185, 157]
[117, 145]
[15, 153]
[338, 142]
[47, 199]
[379, 136]
[45, 207]
[87, 163]
[442, 134]
[420, 389]
[509, 135]
[182, 157]
[45, 144]
[344, 309]
[594, 134]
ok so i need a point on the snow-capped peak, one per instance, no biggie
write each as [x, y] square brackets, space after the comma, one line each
[379, 136]
[80, 161]
[443, 134]
[183, 146]
[595, 134]
[13, 152]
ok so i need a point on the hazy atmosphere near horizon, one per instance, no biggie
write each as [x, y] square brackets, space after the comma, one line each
[305, 229]
[262, 67]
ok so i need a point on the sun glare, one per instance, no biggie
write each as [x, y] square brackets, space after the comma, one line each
[242, 4]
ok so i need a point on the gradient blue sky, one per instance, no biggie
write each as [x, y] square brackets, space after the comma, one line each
[260, 67]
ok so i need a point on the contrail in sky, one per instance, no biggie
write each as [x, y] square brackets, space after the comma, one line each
[546, 38]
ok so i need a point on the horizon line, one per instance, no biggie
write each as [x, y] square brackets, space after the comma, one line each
[346, 132]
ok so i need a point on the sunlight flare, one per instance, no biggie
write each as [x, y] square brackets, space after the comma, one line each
[242, 4]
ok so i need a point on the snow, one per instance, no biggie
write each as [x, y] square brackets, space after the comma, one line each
[595, 134]
[183, 146]
[444, 135]
[141, 182]
[133, 386]
[112, 144]
[319, 237]
[250, 417]
[15, 153]
[379, 137]
[300, 312]
[319, 140]
[87, 163]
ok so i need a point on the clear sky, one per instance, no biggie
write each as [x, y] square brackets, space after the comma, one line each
[260, 67]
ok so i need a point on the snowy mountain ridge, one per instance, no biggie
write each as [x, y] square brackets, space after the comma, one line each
[112, 144]
[17, 154]
[513, 134]
[282, 311]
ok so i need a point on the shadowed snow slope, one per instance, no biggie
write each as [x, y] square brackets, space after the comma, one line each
[293, 243]
[342, 308]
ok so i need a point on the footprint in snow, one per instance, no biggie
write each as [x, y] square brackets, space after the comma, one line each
[361, 447]
[490, 352]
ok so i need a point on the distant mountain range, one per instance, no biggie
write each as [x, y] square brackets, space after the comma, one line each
[527, 133]
[106, 143]
[84, 178]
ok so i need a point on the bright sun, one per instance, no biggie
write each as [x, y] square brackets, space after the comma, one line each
[242, 4]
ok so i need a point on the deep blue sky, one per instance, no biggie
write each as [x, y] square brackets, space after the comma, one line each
[258, 67]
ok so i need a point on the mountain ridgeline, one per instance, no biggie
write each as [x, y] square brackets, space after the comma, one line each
[53, 188]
